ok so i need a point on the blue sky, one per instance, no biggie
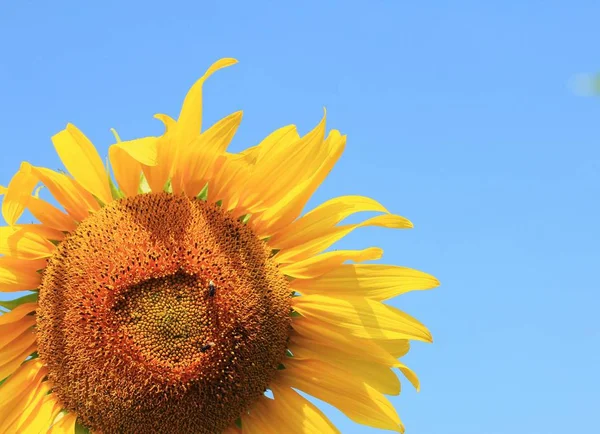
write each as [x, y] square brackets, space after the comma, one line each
[458, 117]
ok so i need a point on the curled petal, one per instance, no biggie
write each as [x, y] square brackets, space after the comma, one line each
[17, 194]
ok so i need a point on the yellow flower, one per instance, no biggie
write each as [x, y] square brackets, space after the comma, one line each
[170, 301]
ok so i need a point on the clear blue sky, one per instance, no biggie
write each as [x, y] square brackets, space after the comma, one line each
[459, 117]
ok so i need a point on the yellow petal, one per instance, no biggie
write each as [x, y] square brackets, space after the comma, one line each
[303, 181]
[23, 265]
[11, 332]
[230, 174]
[127, 170]
[217, 138]
[325, 262]
[175, 145]
[396, 347]
[267, 147]
[199, 158]
[362, 317]
[65, 425]
[18, 191]
[81, 159]
[19, 275]
[167, 121]
[324, 217]
[36, 415]
[335, 343]
[286, 163]
[50, 216]
[276, 152]
[365, 349]
[76, 200]
[28, 241]
[17, 404]
[43, 231]
[143, 150]
[375, 281]
[317, 245]
[12, 355]
[43, 415]
[357, 400]
[299, 414]
[232, 430]
[189, 122]
[126, 159]
[158, 175]
[378, 376]
[410, 376]
[28, 376]
[17, 313]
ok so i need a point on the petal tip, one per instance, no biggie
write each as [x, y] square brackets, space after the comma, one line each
[116, 135]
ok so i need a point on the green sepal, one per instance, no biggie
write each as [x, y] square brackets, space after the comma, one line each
[288, 353]
[11, 304]
[114, 190]
[34, 355]
[203, 195]
[55, 242]
[102, 204]
[219, 202]
[168, 187]
[295, 314]
[281, 367]
[144, 187]
[80, 429]
[238, 422]
[245, 218]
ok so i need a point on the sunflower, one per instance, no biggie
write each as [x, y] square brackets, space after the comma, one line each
[189, 295]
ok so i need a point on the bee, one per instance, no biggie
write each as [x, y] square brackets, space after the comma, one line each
[207, 347]
[211, 289]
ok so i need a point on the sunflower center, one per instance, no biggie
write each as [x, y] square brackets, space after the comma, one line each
[169, 319]
[161, 313]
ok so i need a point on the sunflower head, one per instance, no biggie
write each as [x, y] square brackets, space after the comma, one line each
[133, 291]
[169, 295]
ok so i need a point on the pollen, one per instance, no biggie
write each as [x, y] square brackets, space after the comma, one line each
[162, 314]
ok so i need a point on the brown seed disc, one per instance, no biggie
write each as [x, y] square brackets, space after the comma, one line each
[162, 314]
